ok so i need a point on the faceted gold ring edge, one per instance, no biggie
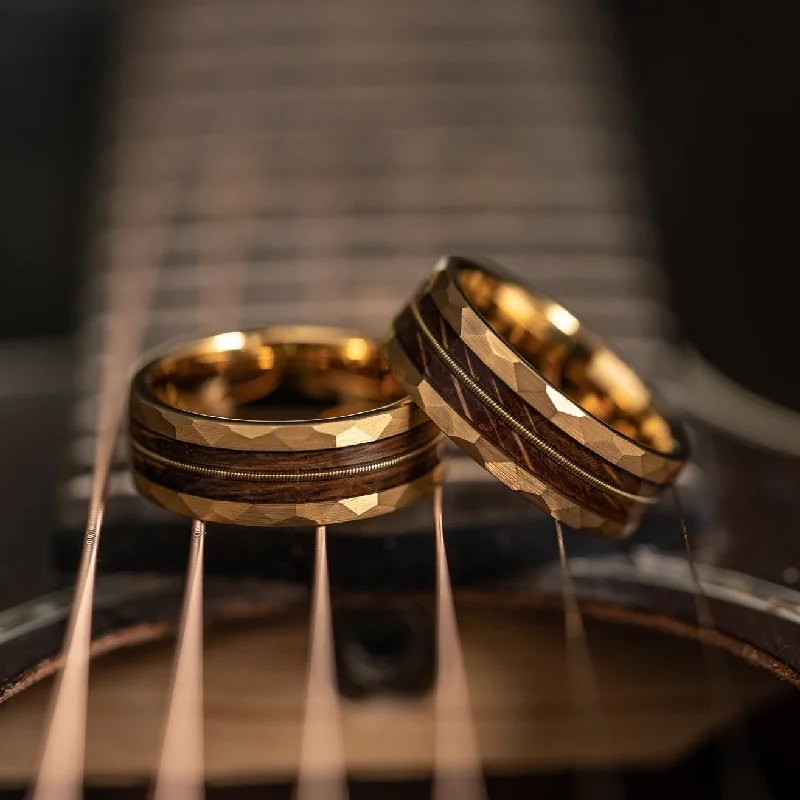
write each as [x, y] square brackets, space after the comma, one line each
[292, 514]
[511, 368]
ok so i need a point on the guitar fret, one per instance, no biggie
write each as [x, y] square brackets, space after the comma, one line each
[614, 315]
[547, 60]
[293, 199]
[618, 234]
[555, 273]
[151, 118]
[397, 151]
[176, 23]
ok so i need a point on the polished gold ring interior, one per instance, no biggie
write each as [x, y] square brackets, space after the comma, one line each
[516, 381]
[281, 426]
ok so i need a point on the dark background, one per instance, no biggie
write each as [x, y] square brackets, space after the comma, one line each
[714, 93]
[715, 97]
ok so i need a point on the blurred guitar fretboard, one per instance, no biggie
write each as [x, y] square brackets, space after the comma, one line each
[290, 162]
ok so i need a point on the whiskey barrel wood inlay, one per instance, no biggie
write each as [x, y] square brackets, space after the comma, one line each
[224, 488]
[520, 409]
[522, 453]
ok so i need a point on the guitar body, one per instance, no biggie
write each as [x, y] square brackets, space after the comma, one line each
[655, 687]
[662, 699]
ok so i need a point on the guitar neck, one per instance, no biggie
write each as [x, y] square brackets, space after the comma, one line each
[311, 167]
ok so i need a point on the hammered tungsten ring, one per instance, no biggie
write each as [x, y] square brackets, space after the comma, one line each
[515, 380]
[279, 426]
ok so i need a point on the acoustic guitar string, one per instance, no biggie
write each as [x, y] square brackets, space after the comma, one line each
[322, 768]
[181, 769]
[180, 774]
[60, 773]
[132, 270]
[742, 775]
[588, 712]
[457, 769]
[129, 289]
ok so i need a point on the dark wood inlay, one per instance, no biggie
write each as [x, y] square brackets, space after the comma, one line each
[222, 488]
[534, 420]
[499, 433]
[220, 458]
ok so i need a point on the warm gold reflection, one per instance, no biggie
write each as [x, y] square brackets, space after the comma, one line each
[283, 373]
[561, 318]
[357, 349]
[552, 340]
[233, 340]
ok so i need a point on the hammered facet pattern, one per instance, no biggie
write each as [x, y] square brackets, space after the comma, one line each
[270, 437]
[513, 370]
[292, 514]
[495, 460]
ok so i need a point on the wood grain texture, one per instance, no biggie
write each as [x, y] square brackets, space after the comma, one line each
[221, 488]
[654, 688]
[524, 454]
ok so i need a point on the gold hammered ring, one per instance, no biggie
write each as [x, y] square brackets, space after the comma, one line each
[516, 381]
[279, 426]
